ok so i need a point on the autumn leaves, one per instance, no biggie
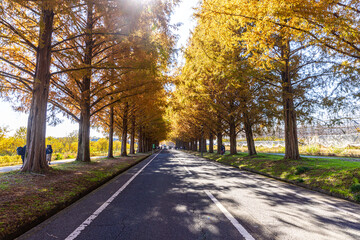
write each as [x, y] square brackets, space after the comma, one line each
[90, 60]
[251, 65]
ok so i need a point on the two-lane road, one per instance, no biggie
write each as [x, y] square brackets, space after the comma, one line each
[174, 195]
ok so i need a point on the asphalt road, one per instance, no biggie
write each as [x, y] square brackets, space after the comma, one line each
[175, 195]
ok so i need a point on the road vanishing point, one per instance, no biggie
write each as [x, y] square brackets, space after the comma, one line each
[175, 195]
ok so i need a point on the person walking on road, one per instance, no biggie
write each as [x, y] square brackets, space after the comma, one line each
[49, 152]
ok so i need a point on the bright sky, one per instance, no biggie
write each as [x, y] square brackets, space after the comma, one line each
[14, 120]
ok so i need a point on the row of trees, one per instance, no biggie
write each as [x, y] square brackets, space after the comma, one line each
[98, 62]
[253, 64]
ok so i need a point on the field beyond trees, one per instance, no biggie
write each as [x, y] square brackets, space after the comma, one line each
[64, 148]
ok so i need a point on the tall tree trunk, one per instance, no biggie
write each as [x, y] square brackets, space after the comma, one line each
[195, 145]
[35, 158]
[203, 145]
[111, 133]
[211, 143]
[219, 135]
[249, 135]
[143, 142]
[139, 141]
[146, 143]
[132, 143]
[84, 145]
[232, 137]
[219, 142]
[124, 131]
[83, 154]
[200, 144]
[291, 139]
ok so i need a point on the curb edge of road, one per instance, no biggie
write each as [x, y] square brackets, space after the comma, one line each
[286, 181]
[28, 226]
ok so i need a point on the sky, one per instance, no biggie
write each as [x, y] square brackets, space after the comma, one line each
[14, 120]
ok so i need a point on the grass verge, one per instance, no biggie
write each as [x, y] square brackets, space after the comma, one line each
[28, 199]
[332, 176]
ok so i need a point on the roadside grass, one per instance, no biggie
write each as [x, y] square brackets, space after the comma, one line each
[26, 199]
[334, 176]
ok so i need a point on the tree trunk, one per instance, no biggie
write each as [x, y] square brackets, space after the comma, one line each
[84, 145]
[232, 137]
[249, 135]
[219, 134]
[124, 131]
[139, 140]
[195, 145]
[132, 143]
[111, 133]
[203, 145]
[211, 143]
[291, 140]
[143, 141]
[35, 157]
[219, 142]
[200, 145]
[146, 144]
[83, 154]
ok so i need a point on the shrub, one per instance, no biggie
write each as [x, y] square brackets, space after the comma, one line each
[70, 156]
[357, 197]
[336, 150]
[301, 169]
[355, 188]
[59, 156]
[10, 160]
[300, 180]
[312, 149]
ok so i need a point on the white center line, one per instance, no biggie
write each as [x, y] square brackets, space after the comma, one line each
[88, 221]
[236, 224]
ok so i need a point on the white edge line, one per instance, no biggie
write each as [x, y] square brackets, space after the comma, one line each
[228, 215]
[87, 222]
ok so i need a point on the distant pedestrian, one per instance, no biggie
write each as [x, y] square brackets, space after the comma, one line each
[222, 150]
[21, 151]
[49, 152]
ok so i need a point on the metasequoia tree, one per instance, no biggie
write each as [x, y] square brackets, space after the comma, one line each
[149, 113]
[82, 85]
[281, 52]
[223, 85]
[88, 87]
[27, 31]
